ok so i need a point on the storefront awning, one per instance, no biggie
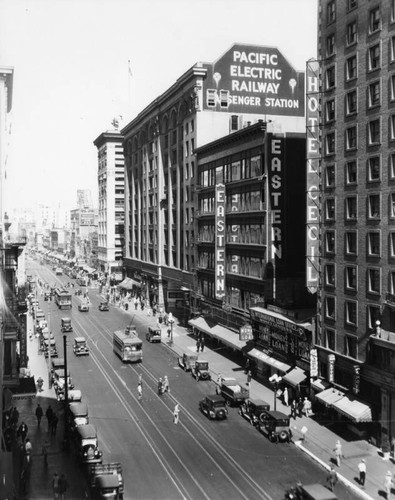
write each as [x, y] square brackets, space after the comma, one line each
[353, 408]
[128, 284]
[329, 396]
[227, 336]
[319, 385]
[25, 390]
[275, 363]
[295, 377]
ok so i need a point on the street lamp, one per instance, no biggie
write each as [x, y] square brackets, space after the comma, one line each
[171, 320]
[275, 380]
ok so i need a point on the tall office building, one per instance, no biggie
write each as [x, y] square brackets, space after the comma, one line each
[354, 144]
[111, 180]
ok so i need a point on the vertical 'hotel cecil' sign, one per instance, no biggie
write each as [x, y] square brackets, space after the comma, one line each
[254, 79]
[220, 241]
[313, 175]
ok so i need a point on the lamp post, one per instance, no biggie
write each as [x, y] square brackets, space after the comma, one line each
[49, 349]
[66, 394]
[275, 380]
[171, 320]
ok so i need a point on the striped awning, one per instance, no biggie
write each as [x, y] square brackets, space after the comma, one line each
[329, 396]
[353, 408]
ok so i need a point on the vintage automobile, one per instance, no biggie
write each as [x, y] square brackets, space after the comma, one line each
[79, 347]
[78, 415]
[106, 480]
[234, 392]
[310, 492]
[59, 383]
[74, 395]
[83, 306]
[104, 306]
[57, 364]
[275, 425]
[47, 295]
[187, 361]
[66, 325]
[59, 271]
[200, 370]
[87, 444]
[252, 410]
[45, 348]
[214, 406]
[154, 335]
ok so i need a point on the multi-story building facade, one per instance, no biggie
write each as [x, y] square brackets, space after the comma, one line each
[83, 224]
[111, 181]
[354, 81]
[210, 100]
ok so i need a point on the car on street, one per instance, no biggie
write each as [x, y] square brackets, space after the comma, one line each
[187, 361]
[58, 271]
[154, 335]
[275, 425]
[252, 410]
[87, 444]
[214, 407]
[104, 306]
[83, 307]
[200, 370]
[66, 325]
[79, 347]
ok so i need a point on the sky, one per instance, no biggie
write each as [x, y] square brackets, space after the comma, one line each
[80, 63]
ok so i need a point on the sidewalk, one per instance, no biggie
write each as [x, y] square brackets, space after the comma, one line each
[318, 441]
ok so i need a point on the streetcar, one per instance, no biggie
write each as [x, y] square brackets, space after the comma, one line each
[63, 298]
[128, 346]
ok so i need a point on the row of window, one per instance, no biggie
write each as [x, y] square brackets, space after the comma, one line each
[373, 171]
[241, 202]
[236, 170]
[252, 267]
[350, 311]
[373, 248]
[235, 297]
[235, 233]
[351, 100]
[374, 24]
[351, 282]
[373, 208]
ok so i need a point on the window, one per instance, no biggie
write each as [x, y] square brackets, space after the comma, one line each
[330, 110]
[392, 166]
[330, 77]
[374, 132]
[330, 144]
[330, 176]
[330, 338]
[392, 49]
[392, 11]
[351, 68]
[351, 33]
[374, 281]
[351, 4]
[350, 346]
[330, 208]
[330, 242]
[392, 244]
[351, 138]
[351, 207]
[330, 12]
[374, 20]
[330, 310]
[374, 244]
[351, 277]
[374, 206]
[374, 94]
[330, 274]
[392, 89]
[351, 172]
[351, 312]
[351, 102]
[374, 168]
[351, 243]
[330, 45]
[392, 127]
[392, 205]
[374, 57]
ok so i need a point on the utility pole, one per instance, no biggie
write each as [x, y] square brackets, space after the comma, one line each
[66, 395]
[49, 349]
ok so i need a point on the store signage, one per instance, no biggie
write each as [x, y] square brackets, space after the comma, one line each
[254, 79]
[245, 332]
[331, 368]
[313, 363]
[312, 177]
[220, 241]
[356, 379]
[276, 198]
[279, 323]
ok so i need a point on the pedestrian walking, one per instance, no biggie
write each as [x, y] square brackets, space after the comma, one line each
[331, 479]
[140, 391]
[249, 377]
[44, 451]
[176, 413]
[55, 485]
[219, 383]
[300, 407]
[202, 344]
[54, 424]
[285, 396]
[14, 416]
[39, 414]
[166, 384]
[49, 415]
[63, 485]
[338, 449]
[294, 409]
[198, 345]
[362, 472]
[40, 383]
[306, 406]
[388, 484]
[22, 431]
[28, 447]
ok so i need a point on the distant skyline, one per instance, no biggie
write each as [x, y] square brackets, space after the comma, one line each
[80, 63]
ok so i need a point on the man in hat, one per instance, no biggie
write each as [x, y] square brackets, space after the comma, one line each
[362, 472]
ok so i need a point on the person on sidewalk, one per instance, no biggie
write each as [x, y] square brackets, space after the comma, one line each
[362, 472]
[28, 447]
[39, 414]
[22, 431]
[176, 414]
[44, 451]
[331, 479]
[249, 377]
[285, 396]
[300, 407]
[55, 485]
[40, 383]
[388, 482]
[338, 449]
[63, 485]
[294, 409]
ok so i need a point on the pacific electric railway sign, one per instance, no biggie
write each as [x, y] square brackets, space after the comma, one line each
[254, 79]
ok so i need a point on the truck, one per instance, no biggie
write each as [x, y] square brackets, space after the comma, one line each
[106, 480]
[234, 393]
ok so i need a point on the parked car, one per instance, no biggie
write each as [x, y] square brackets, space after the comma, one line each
[79, 347]
[154, 335]
[187, 361]
[200, 370]
[214, 406]
[104, 306]
[253, 409]
[275, 425]
[78, 415]
[87, 444]
[234, 393]
[310, 492]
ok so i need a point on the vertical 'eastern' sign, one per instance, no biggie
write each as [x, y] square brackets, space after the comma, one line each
[313, 175]
[220, 241]
[276, 195]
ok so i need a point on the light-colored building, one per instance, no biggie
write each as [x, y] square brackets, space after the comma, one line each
[111, 181]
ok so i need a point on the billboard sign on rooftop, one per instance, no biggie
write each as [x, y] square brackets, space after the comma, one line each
[254, 79]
